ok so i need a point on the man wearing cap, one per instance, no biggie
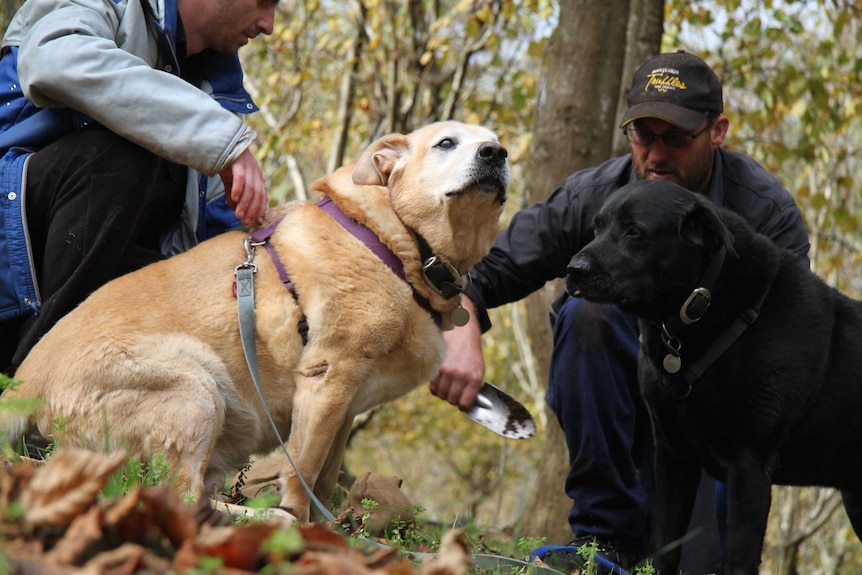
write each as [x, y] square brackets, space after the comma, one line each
[675, 126]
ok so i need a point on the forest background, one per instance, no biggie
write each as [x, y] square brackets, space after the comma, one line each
[550, 77]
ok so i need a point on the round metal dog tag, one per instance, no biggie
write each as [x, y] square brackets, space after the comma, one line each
[672, 363]
[460, 316]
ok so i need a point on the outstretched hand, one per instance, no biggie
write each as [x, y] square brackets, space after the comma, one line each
[245, 189]
[463, 370]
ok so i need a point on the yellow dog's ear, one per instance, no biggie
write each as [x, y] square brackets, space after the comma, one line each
[377, 162]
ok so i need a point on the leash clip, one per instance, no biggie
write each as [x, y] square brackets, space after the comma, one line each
[249, 246]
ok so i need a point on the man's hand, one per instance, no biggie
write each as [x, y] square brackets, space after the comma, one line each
[245, 190]
[463, 370]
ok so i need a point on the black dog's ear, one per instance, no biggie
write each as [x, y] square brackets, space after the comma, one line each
[702, 226]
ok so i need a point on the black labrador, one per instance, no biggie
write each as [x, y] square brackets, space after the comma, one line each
[750, 364]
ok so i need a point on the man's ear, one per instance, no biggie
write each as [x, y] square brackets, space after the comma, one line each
[377, 162]
[703, 227]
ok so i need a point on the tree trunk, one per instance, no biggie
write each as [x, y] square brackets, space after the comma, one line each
[588, 64]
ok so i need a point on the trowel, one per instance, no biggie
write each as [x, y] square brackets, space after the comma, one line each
[501, 413]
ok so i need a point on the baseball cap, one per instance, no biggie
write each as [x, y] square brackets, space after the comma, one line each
[677, 87]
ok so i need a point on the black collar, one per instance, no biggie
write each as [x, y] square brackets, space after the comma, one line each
[691, 310]
[442, 277]
[678, 378]
[696, 304]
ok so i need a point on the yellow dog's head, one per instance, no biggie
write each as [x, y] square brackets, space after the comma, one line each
[447, 182]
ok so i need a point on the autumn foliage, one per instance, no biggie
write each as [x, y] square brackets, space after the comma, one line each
[54, 520]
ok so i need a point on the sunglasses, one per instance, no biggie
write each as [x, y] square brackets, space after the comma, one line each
[671, 139]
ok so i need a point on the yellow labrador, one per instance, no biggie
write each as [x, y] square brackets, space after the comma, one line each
[153, 363]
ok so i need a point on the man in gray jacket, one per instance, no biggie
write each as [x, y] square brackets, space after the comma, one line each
[116, 117]
[676, 127]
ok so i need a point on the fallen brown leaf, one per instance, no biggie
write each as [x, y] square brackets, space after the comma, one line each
[67, 486]
[66, 529]
[126, 559]
[454, 557]
[84, 531]
[238, 547]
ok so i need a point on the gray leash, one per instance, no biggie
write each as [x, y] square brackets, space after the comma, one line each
[248, 334]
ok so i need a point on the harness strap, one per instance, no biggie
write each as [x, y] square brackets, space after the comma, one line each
[372, 242]
[261, 237]
[362, 233]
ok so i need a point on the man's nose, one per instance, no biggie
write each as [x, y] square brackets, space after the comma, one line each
[266, 22]
[658, 149]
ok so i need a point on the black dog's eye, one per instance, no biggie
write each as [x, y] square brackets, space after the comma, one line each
[633, 232]
[445, 144]
[599, 222]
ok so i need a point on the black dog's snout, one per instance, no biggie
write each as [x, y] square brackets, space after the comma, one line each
[493, 153]
[578, 266]
[576, 271]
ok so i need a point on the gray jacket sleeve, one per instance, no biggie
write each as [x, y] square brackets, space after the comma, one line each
[98, 57]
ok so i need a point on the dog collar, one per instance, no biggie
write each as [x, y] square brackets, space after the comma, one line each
[443, 279]
[680, 381]
[692, 309]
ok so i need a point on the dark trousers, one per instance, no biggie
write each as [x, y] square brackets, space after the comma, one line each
[593, 391]
[95, 205]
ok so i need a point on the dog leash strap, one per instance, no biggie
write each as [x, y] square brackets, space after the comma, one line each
[245, 308]
[248, 335]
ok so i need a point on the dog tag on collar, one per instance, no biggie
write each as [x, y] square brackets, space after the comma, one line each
[672, 363]
[460, 316]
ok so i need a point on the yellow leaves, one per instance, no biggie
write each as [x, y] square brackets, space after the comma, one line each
[536, 50]
[797, 109]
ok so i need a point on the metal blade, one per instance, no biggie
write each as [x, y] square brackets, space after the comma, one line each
[501, 413]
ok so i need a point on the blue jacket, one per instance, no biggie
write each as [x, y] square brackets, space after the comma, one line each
[48, 91]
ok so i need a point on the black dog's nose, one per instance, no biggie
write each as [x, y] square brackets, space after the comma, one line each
[576, 271]
[493, 153]
[578, 266]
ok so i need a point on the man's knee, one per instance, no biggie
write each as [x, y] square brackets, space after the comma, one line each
[592, 326]
[94, 153]
[90, 175]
